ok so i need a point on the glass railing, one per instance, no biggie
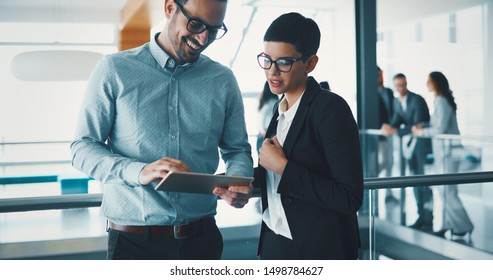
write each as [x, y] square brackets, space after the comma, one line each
[72, 227]
[390, 156]
[429, 211]
[23, 165]
[71, 218]
[30, 199]
[452, 223]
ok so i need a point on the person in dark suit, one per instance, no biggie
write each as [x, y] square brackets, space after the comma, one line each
[385, 144]
[310, 170]
[385, 99]
[410, 109]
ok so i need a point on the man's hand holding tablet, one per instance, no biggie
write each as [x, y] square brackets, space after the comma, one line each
[236, 196]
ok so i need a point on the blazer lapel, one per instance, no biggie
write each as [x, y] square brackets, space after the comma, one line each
[312, 88]
[410, 106]
[272, 128]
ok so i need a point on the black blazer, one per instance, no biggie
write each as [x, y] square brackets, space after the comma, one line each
[386, 104]
[416, 113]
[322, 185]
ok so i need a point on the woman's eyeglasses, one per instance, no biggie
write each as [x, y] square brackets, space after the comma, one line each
[283, 64]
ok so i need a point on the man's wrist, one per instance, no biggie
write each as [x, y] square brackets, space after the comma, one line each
[132, 173]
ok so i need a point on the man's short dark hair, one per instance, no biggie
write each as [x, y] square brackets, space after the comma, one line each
[303, 33]
[399, 76]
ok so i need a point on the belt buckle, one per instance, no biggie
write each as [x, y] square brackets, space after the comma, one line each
[177, 232]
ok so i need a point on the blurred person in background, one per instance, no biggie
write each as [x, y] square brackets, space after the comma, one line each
[410, 109]
[385, 144]
[444, 121]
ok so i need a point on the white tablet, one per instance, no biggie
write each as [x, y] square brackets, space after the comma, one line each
[198, 182]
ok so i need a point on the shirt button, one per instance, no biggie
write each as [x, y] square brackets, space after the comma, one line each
[173, 137]
[173, 79]
[171, 108]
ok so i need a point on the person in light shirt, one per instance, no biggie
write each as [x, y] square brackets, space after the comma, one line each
[310, 169]
[159, 108]
[444, 121]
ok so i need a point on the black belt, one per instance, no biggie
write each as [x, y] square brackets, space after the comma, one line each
[176, 232]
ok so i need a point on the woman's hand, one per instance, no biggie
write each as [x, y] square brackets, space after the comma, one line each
[417, 130]
[272, 156]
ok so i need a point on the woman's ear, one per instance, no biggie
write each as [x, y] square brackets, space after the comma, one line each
[311, 63]
[169, 8]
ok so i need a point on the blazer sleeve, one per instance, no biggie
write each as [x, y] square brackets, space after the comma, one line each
[396, 119]
[422, 114]
[441, 116]
[341, 188]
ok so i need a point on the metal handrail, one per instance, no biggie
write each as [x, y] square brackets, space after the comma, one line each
[428, 180]
[485, 138]
[377, 132]
[39, 162]
[55, 142]
[94, 200]
[35, 142]
[72, 201]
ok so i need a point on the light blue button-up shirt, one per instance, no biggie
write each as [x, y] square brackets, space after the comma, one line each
[139, 107]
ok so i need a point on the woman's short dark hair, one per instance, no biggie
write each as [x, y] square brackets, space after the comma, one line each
[303, 33]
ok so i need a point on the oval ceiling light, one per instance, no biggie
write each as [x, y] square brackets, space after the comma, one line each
[54, 65]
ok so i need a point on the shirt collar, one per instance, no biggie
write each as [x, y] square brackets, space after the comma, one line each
[163, 59]
[291, 112]
[404, 99]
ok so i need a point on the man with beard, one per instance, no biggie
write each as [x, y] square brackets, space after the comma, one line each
[159, 108]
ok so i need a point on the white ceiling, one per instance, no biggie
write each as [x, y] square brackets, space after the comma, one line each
[70, 4]
[391, 12]
[93, 11]
[108, 11]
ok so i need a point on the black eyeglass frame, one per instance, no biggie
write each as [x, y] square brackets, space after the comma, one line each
[212, 29]
[272, 62]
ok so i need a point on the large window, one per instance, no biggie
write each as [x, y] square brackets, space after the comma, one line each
[446, 36]
[42, 110]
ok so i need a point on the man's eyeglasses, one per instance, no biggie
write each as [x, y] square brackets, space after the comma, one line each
[197, 26]
[283, 64]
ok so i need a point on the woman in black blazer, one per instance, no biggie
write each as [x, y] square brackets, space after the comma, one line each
[310, 169]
